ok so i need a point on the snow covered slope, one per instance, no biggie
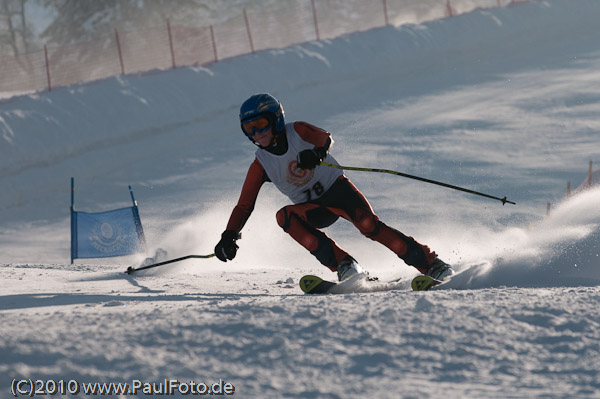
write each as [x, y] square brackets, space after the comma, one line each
[503, 101]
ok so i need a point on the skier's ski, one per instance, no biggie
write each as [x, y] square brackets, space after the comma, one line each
[425, 283]
[363, 283]
[357, 283]
[459, 280]
[315, 285]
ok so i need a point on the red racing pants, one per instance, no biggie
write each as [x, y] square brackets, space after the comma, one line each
[303, 221]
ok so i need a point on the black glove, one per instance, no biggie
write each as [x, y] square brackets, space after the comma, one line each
[309, 159]
[227, 248]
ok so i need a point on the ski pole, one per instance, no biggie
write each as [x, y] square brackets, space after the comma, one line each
[131, 269]
[393, 172]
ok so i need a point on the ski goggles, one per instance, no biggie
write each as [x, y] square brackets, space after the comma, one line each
[258, 125]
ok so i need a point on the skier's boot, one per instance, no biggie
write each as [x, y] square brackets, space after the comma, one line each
[348, 267]
[439, 270]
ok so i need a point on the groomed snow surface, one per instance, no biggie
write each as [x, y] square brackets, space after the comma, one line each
[504, 101]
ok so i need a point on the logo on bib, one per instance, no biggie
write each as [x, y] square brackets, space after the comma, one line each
[298, 177]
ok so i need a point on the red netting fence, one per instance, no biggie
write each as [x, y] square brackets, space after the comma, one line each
[171, 45]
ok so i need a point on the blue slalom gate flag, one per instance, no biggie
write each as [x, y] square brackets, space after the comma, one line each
[106, 234]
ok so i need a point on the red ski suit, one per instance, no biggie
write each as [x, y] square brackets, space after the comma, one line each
[303, 220]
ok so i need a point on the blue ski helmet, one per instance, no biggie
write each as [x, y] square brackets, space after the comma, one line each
[263, 105]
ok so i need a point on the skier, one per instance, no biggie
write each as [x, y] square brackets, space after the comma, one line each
[289, 155]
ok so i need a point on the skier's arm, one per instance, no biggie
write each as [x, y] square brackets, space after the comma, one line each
[321, 139]
[255, 178]
[226, 249]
